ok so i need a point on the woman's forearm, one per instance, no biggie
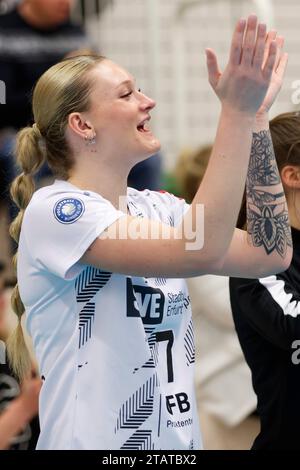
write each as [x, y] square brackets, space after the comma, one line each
[222, 187]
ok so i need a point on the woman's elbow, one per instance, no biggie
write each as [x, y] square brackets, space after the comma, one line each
[281, 264]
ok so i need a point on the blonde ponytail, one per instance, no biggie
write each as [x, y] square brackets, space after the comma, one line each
[17, 351]
[63, 89]
[30, 157]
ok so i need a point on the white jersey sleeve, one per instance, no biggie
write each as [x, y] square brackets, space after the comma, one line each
[60, 226]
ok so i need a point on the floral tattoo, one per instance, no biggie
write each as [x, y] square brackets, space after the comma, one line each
[267, 216]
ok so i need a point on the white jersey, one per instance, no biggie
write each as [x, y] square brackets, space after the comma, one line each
[116, 353]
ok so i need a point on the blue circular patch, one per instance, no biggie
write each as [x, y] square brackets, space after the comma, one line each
[68, 210]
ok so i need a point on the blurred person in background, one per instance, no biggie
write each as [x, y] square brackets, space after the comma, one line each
[19, 426]
[33, 36]
[266, 311]
[223, 380]
[18, 407]
[98, 303]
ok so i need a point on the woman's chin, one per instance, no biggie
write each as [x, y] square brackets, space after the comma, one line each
[154, 146]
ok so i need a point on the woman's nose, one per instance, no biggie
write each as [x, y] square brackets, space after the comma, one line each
[147, 103]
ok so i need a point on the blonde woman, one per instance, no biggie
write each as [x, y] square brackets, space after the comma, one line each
[105, 302]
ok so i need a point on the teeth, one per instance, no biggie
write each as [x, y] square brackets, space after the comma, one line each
[144, 126]
[143, 123]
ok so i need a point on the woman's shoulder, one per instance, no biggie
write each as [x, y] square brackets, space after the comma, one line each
[61, 207]
[60, 194]
[43, 198]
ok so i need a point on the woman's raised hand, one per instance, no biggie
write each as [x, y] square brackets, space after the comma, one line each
[243, 85]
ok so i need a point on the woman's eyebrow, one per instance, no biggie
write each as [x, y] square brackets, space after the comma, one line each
[127, 82]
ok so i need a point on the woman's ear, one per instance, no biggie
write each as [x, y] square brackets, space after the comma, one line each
[290, 175]
[79, 125]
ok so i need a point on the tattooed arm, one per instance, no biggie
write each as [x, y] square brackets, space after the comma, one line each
[266, 247]
[267, 214]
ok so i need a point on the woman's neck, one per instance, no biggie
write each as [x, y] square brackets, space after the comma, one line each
[111, 185]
